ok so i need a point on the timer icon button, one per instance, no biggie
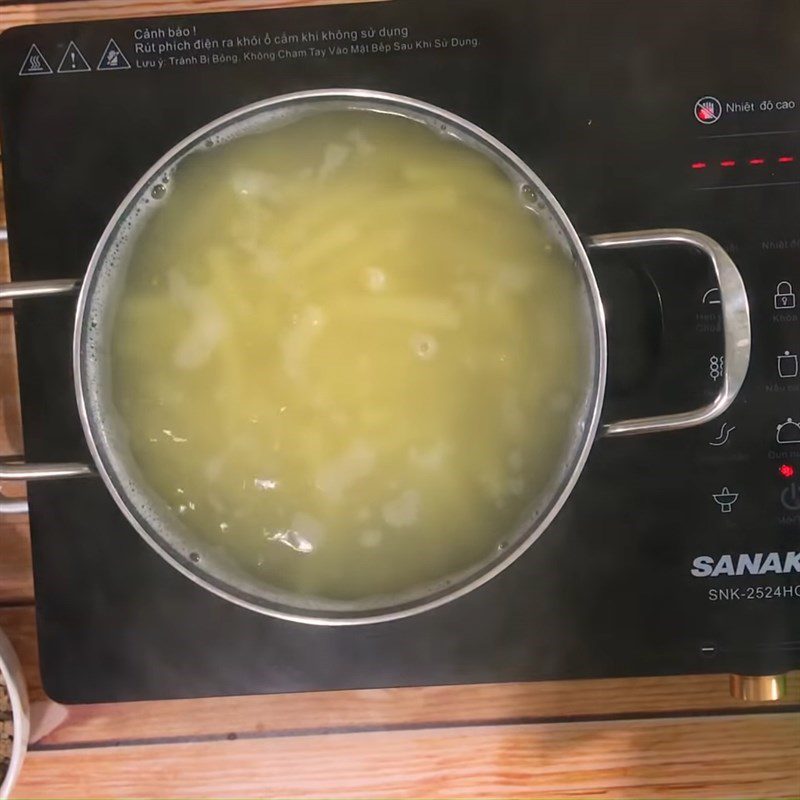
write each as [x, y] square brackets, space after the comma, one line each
[790, 497]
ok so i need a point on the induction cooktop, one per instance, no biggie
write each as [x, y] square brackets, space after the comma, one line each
[676, 553]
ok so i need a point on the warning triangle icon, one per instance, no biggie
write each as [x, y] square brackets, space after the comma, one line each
[73, 60]
[113, 58]
[35, 63]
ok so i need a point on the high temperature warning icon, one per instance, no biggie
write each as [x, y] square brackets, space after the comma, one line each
[113, 58]
[35, 63]
[707, 110]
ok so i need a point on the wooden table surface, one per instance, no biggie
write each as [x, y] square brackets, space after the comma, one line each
[667, 737]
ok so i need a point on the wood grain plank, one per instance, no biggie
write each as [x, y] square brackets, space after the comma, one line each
[380, 709]
[37, 13]
[10, 418]
[19, 624]
[756, 756]
[16, 578]
[390, 708]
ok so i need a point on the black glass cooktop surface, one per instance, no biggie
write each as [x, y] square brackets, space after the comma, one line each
[636, 116]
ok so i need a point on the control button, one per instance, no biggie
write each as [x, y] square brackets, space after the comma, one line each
[788, 432]
[716, 367]
[707, 110]
[725, 500]
[724, 435]
[785, 298]
[788, 365]
[790, 497]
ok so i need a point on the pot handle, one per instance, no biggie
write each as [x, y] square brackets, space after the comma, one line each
[23, 290]
[735, 321]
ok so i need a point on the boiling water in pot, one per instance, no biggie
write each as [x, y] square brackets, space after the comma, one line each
[348, 353]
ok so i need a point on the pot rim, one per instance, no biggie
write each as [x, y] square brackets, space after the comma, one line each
[476, 577]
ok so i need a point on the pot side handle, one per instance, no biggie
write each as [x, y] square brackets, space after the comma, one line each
[735, 320]
[23, 290]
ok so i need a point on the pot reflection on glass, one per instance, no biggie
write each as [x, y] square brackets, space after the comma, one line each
[138, 311]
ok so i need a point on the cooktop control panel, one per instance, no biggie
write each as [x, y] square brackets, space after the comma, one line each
[742, 171]
[677, 552]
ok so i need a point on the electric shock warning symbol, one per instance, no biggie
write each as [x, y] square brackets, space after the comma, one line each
[113, 58]
[73, 60]
[35, 63]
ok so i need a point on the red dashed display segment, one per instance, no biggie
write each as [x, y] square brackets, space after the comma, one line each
[752, 162]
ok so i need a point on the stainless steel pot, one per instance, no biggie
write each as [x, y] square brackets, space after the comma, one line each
[103, 282]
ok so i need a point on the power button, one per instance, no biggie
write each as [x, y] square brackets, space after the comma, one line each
[790, 497]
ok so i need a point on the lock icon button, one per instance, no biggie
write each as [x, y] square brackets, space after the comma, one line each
[785, 298]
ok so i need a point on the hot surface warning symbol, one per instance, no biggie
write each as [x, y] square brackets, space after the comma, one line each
[73, 60]
[35, 63]
[113, 57]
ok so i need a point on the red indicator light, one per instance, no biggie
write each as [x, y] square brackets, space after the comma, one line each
[699, 165]
[727, 163]
[786, 159]
[786, 470]
[756, 162]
